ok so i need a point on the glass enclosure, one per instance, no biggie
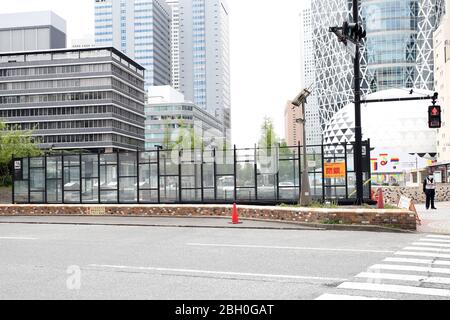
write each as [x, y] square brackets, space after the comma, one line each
[251, 175]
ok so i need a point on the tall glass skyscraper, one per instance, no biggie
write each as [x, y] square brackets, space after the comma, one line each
[398, 51]
[201, 32]
[140, 29]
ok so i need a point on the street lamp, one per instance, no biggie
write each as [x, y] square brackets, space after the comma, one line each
[305, 195]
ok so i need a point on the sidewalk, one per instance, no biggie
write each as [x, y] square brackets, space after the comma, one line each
[435, 221]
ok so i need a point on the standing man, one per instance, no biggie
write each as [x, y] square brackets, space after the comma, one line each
[429, 188]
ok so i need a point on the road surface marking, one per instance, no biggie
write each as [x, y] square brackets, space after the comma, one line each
[421, 244]
[259, 275]
[410, 268]
[337, 297]
[439, 237]
[427, 249]
[285, 248]
[395, 289]
[403, 277]
[418, 261]
[423, 254]
[17, 238]
[435, 240]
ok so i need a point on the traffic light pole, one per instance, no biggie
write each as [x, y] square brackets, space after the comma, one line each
[358, 130]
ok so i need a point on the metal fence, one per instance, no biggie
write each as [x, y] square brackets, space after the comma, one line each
[247, 176]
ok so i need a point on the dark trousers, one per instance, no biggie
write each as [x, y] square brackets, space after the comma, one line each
[431, 194]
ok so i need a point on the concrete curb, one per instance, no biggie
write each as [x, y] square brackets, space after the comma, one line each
[302, 226]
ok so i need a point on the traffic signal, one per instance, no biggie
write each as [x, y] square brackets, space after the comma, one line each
[353, 31]
[434, 117]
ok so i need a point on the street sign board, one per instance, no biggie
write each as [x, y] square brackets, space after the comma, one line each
[335, 170]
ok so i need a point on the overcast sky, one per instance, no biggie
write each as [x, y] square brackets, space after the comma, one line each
[265, 54]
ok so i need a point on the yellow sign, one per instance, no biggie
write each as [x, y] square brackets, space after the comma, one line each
[335, 170]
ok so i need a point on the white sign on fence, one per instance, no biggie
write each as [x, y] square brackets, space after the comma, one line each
[404, 203]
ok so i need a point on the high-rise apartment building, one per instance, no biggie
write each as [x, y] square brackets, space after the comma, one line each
[308, 78]
[175, 42]
[204, 53]
[89, 99]
[398, 51]
[25, 31]
[141, 30]
[442, 80]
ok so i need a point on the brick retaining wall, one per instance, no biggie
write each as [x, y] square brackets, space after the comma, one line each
[401, 219]
[392, 194]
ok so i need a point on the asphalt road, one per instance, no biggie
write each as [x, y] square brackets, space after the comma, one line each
[42, 261]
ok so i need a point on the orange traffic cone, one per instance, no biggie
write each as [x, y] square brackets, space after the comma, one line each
[235, 216]
[380, 203]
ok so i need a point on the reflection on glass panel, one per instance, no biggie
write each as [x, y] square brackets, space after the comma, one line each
[128, 190]
[90, 166]
[267, 186]
[108, 177]
[21, 191]
[149, 196]
[90, 190]
[169, 189]
[245, 194]
[127, 165]
[225, 188]
[245, 175]
[54, 191]
[71, 196]
[108, 196]
[37, 182]
[72, 178]
[37, 197]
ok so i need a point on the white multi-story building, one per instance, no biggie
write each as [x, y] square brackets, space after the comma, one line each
[308, 78]
[200, 56]
[140, 29]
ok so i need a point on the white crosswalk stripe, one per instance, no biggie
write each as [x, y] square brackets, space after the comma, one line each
[343, 297]
[419, 270]
[421, 244]
[427, 249]
[423, 254]
[403, 277]
[418, 261]
[438, 237]
[395, 289]
[435, 240]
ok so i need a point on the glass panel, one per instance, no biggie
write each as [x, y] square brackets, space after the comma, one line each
[148, 196]
[21, 191]
[225, 188]
[71, 196]
[54, 191]
[169, 189]
[90, 190]
[128, 166]
[128, 190]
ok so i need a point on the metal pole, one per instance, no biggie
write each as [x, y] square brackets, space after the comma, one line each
[358, 129]
[305, 195]
[13, 173]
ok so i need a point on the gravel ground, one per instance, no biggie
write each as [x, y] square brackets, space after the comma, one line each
[5, 195]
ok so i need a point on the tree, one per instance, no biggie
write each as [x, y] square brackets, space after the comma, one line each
[14, 143]
[268, 136]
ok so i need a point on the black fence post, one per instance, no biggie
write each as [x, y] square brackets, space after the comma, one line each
[215, 174]
[323, 172]
[13, 199]
[158, 173]
[118, 175]
[45, 178]
[256, 172]
[180, 152]
[201, 176]
[98, 176]
[235, 173]
[63, 200]
[138, 177]
[29, 179]
[80, 159]
[346, 170]
[299, 150]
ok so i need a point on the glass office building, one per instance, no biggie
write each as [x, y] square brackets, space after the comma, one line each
[141, 30]
[398, 51]
[89, 99]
